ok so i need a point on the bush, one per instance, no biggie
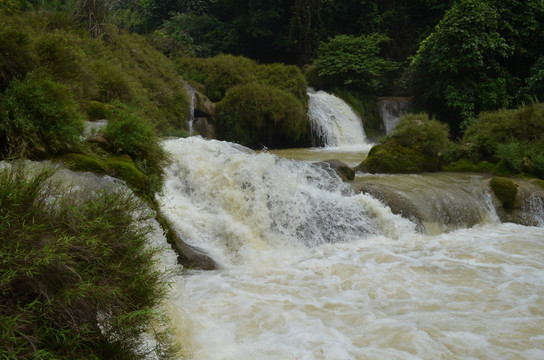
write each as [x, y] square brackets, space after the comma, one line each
[511, 136]
[129, 133]
[285, 77]
[255, 115]
[77, 279]
[218, 74]
[39, 116]
[419, 132]
[16, 58]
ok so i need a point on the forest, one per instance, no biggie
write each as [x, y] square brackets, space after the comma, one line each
[456, 58]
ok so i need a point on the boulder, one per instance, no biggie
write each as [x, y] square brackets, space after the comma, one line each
[345, 172]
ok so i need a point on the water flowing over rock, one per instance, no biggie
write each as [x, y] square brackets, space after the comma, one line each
[230, 201]
[333, 122]
[391, 109]
[201, 115]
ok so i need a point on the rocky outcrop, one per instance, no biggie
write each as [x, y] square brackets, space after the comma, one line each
[204, 116]
[518, 201]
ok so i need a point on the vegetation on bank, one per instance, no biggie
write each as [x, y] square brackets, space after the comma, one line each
[257, 104]
[504, 143]
[77, 277]
[54, 76]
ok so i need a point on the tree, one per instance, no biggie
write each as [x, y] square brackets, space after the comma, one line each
[477, 58]
[355, 61]
[458, 69]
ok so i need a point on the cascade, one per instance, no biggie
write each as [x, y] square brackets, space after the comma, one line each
[391, 109]
[333, 122]
[225, 199]
[309, 269]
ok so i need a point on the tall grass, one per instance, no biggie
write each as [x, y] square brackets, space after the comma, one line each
[76, 277]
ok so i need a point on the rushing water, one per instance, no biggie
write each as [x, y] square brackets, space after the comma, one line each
[333, 122]
[310, 270]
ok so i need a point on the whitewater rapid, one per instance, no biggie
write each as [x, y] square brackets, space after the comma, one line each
[310, 270]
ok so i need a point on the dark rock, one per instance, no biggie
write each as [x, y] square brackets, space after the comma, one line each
[345, 172]
[204, 128]
[192, 257]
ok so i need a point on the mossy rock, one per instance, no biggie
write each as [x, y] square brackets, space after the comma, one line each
[502, 169]
[121, 167]
[393, 158]
[505, 190]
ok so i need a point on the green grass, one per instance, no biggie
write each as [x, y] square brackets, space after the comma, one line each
[77, 279]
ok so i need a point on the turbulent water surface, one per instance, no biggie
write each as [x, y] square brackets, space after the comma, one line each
[309, 270]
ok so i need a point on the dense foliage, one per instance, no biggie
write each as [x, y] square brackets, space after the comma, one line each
[77, 278]
[54, 75]
[257, 104]
[478, 57]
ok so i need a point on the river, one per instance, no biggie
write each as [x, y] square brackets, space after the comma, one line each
[309, 269]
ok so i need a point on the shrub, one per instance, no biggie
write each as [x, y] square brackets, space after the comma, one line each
[77, 279]
[511, 136]
[16, 58]
[129, 133]
[218, 74]
[285, 77]
[255, 115]
[39, 116]
[419, 132]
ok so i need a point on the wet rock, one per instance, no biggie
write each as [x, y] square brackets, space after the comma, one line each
[345, 172]
[192, 257]
[518, 201]
[398, 204]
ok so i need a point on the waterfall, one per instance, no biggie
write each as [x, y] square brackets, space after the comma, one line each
[191, 121]
[226, 199]
[333, 122]
[391, 109]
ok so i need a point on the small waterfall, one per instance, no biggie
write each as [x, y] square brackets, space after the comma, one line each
[333, 122]
[191, 121]
[391, 109]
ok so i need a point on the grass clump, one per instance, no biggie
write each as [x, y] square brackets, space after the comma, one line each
[257, 115]
[76, 278]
